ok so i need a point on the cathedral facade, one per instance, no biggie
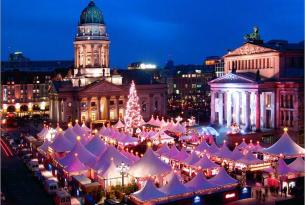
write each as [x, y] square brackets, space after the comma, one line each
[93, 92]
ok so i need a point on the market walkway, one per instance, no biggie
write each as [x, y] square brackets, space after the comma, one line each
[19, 186]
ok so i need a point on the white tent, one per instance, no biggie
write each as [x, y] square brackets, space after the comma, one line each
[236, 154]
[205, 163]
[242, 145]
[111, 153]
[130, 156]
[162, 138]
[71, 135]
[202, 146]
[119, 125]
[199, 182]
[83, 154]
[85, 128]
[158, 122]
[44, 147]
[77, 129]
[96, 146]
[172, 152]
[284, 169]
[223, 178]
[298, 165]
[257, 148]
[213, 148]
[250, 159]
[127, 140]
[111, 171]
[286, 146]
[75, 165]
[152, 122]
[148, 192]
[174, 187]
[43, 132]
[149, 165]
[164, 149]
[182, 155]
[224, 152]
[192, 159]
[61, 144]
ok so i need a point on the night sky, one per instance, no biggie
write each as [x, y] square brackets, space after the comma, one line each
[148, 30]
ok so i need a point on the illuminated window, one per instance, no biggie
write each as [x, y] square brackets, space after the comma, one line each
[175, 85]
[177, 91]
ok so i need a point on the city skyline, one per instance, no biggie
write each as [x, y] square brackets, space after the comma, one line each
[151, 31]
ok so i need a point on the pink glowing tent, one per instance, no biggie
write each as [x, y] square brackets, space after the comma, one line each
[130, 156]
[250, 159]
[199, 182]
[111, 153]
[286, 146]
[162, 137]
[152, 122]
[213, 148]
[77, 129]
[242, 145]
[96, 146]
[163, 122]
[111, 171]
[172, 152]
[148, 192]
[44, 147]
[158, 122]
[127, 140]
[182, 155]
[85, 128]
[236, 154]
[298, 165]
[60, 143]
[257, 148]
[75, 165]
[149, 165]
[224, 152]
[43, 132]
[202, 146]
[119, 125]
[174, 187]
[71, 135]
[83, 154]
[205, 163]
[164, 149]
[283, 169]
[223, 178]
[192, 159]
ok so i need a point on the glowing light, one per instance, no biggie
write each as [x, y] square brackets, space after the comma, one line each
[147, 66]
[149, 144]
[17, 106]
[43, 105]
[285, 129]
[4, 106]
[78, 138]
[76, 121]
[231, 195]
[75, 154]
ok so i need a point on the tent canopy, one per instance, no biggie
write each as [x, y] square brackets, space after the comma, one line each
[298, 164]
[174, 187]
[119, 125]
[60, 143]
[149, 165]
[206, 163]
[75, 165]
[96, 146]
[286, 146]
[192, 159]
[148, 192]
[199, 182]
[202, 146]
[222, 178]
[284, 169]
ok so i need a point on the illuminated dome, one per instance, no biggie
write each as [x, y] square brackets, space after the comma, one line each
[91, 14]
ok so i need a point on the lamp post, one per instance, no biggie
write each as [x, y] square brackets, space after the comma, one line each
[123, 169]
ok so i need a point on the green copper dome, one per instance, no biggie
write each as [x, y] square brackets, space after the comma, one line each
[91, 14]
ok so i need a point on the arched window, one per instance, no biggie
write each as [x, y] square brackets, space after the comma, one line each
[156, 104]
[143, 106]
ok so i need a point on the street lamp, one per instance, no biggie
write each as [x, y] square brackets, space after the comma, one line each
[123, 170]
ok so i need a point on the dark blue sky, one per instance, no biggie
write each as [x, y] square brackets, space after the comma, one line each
[148, 30]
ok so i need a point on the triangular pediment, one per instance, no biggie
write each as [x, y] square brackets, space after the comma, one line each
[232, 78]
[248, 49]
[102, 86]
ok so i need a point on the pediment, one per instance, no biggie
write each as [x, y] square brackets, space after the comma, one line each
[248, 49]
[102, 86]
[232, 78]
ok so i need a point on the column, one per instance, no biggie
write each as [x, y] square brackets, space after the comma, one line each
[272, 110]
[295, 111]
[229, 109]
[220, 113]
[262, 110]
[117, 107]
[237, 113]
[89, 108]
[92, 55]
[84, 56]
[151, 104]
[247, 112]
[108, 107]
[212, 120]
[75, 56]
[51, 108]
[98, 108]
[257, 110]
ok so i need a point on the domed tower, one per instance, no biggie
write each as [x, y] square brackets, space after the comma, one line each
[91, 46]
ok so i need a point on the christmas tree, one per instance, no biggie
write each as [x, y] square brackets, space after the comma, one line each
[132, 116]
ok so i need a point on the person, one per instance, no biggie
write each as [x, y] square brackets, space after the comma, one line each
[277, 190]
[266, 191]
[285, 191]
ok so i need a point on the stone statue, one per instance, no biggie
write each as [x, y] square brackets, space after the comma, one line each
[254, 36]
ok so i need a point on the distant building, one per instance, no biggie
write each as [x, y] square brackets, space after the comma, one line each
[141, 66]
[216, 63]
[263, 87]
[94, 92]
[25, 93]
[189, 92]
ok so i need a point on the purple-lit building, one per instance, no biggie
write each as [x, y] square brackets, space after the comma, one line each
[262, 87]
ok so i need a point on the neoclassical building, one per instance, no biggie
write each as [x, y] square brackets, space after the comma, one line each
[263, 87]
[94, 92]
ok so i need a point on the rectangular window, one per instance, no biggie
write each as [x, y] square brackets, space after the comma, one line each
[92, 104]
[111, 102]
[175, 85]
[121, 102]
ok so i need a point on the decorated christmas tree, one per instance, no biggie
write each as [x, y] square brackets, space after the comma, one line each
[132, 116]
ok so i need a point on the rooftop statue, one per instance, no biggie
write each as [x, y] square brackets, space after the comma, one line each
[253, 37]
